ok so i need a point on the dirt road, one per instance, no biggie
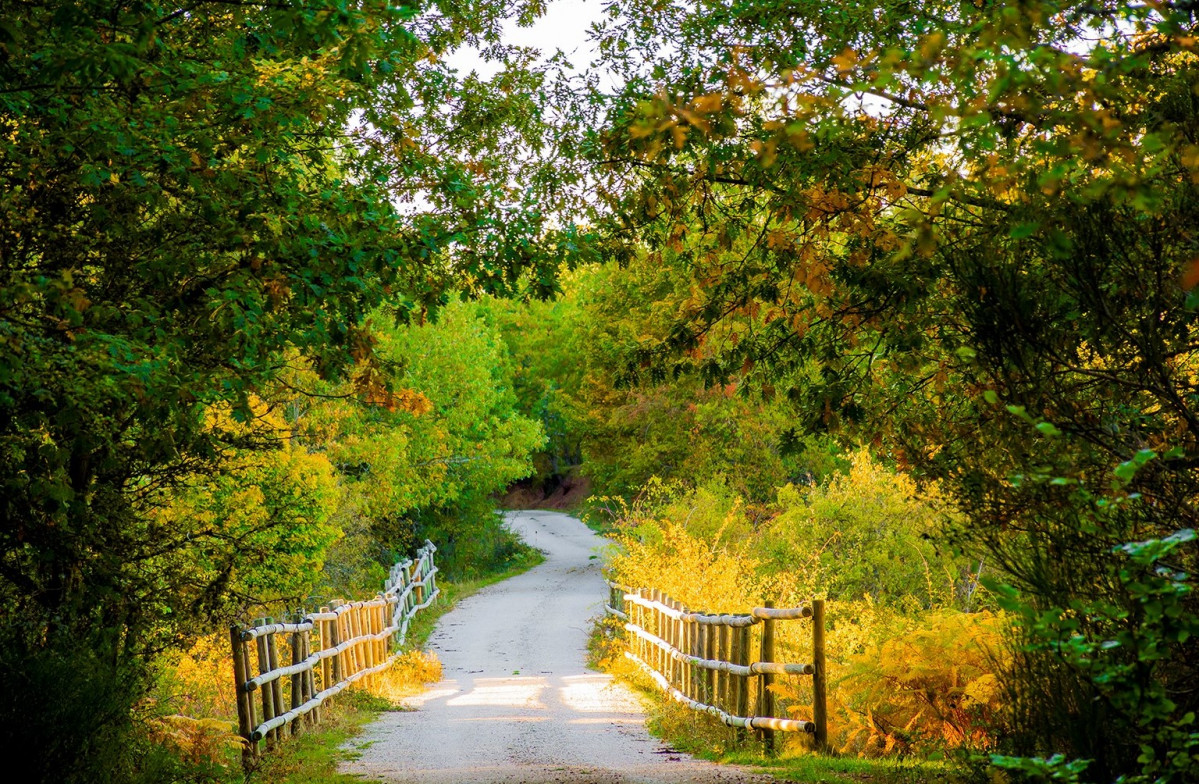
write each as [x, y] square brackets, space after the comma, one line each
[517, 703]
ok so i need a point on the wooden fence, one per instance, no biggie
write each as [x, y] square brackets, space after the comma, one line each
[707, 662]
[327, 650]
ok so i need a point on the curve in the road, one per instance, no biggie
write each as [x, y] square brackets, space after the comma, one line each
[517, 702]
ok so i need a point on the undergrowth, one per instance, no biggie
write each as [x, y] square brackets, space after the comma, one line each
[706, 737]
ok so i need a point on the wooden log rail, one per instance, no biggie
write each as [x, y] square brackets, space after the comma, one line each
[329, 649]
[705, 660]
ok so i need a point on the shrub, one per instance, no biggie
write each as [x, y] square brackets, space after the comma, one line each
[933, 684]
[908, 668]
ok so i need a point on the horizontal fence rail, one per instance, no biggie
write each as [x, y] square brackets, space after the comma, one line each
[706, 660]
[328, 650]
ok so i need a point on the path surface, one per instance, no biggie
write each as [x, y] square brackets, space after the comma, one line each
[517, 703]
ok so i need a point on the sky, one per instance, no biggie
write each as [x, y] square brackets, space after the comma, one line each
[563, 26]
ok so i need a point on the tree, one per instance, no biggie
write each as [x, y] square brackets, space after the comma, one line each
[568, 354]
[427, 466]
[188, 192]
[667, 425]
[978, 222]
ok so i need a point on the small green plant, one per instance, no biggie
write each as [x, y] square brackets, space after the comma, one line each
[1120, 651]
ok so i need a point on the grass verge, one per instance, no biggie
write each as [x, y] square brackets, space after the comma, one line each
[813, 769]
[313, 757]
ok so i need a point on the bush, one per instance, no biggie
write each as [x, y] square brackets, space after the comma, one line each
[908, 668]
[69, 716]
[932, 684]
[1103, 676]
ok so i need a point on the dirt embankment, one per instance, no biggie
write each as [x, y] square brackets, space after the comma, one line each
[556, 492]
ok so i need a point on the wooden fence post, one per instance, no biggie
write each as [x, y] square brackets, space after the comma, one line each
[667, 634]
[383, 644]
[432, 575]
[268, 694]
[382, 622]
[640, 625]
[297, 680]
[418, 577]
[676, 668]
[685, 645]
[741, 695]
[651, 619]
[696, 671]
[368, 645]
[326, 665]
[639, 650]
[627, 606]
[335, 661]
[723, 678]
[350, 635]
[245, 705]
[376, 653]
[272, 649]
[766, 696]
[313, 717]
[361, 646]
[819, 678]
[709, 653]
[655, 596]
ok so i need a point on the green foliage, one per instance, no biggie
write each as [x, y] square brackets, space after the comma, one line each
[673, 428]
[548, 360]
[195, 201]
[474, 443]
[569, 354]
[81, 724]
[1123, 656]
[254, 533]
[1041, 769]
[960, 234]
[425, 461]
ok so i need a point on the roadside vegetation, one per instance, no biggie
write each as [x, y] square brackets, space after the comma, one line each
[890, 303]
[200, 733]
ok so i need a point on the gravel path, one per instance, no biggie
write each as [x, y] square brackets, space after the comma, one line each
[517, 703]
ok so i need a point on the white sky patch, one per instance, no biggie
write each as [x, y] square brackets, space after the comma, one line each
[563, 27]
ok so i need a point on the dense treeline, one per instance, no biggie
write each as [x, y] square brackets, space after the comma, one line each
[870, 293]
[965, 235]
[206, 262]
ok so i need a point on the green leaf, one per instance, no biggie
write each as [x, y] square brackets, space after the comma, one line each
[1048, 429]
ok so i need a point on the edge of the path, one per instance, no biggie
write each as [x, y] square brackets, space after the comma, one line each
[314, 756]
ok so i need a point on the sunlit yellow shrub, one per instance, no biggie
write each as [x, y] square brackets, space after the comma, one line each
[195, 705]
[255, 532]
[411, 671]
[673, 561]
[935, 683]
[199, 681]
[863, 533]
[198, 741]
[907, 668]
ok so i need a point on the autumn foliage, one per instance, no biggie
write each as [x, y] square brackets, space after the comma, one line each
[912, 653]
